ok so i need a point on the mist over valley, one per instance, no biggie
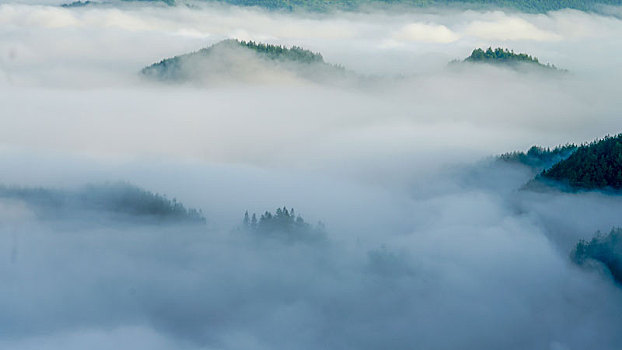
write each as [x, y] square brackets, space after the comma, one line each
[236, 175]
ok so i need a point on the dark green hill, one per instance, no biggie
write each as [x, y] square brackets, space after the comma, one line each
[596, 165]
[234, 60]
[508, 58]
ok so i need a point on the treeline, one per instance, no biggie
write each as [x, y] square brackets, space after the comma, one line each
[591, 166]
[499, 55]
[604, 249]
[184, 67]
[282, 224]
[293, 53]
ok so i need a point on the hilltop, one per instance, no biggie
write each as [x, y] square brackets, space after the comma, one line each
[507, 58]
[234, 60]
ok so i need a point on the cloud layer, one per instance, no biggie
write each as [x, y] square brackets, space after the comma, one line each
[430, 244]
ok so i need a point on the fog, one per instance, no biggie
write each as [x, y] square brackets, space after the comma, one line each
[430, 243]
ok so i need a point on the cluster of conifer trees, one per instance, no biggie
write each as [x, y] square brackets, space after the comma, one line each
[282, 223]
[606, 249]
[499, 55]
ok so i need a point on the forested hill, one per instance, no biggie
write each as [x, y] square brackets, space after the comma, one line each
[592, 166]
[532, 6]
[232, 59]
[506, 57]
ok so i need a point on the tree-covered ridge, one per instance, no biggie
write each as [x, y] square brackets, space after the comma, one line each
[267, 51]
[120, 199]
[591, 166]
[532, 6]
[283, 224]
[539, 158]
[504, 56]
[604, 249]
[230, 56]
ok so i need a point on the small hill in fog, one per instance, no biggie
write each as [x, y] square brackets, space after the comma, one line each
[245, 61]
[507, 58]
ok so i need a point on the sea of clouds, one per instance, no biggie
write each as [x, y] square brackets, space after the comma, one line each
[430, 243]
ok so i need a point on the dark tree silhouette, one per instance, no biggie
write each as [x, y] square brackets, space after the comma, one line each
[604, 249]
[283, 224]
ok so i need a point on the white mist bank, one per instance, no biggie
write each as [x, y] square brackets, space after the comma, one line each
[471, 264]
[429, 245]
